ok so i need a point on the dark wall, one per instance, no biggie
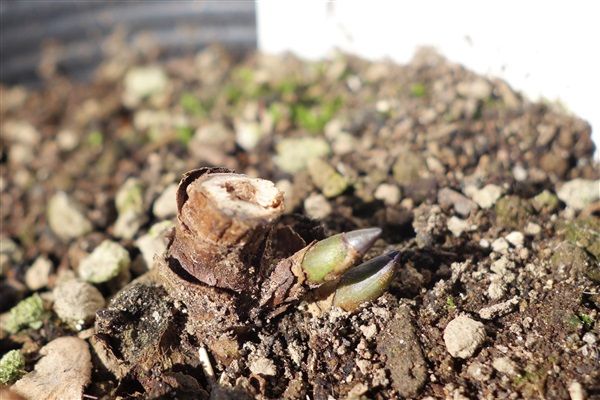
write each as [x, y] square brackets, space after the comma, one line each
[81, 27]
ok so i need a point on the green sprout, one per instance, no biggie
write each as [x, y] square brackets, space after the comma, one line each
[192, 105]
[450, 304]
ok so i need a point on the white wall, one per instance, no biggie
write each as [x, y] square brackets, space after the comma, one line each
[548, 49]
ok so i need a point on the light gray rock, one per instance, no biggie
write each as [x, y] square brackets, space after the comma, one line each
[461, 204]
[130, 206]
[76, 302]
[143, 82]
[165, 206]
[515, 238]
[293, 154]
[457, 226]
[579, 193]
[505, 366]
[389, 194]
[316, 206]
[36, 276]
[463, 336]
[106, 262]
[154, 242]
[485, 197]
[65, 217]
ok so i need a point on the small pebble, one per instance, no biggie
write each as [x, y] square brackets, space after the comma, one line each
[532, 229]
[104, 263]
[462, 204]
[576, 391]
[317, 206]
[500, 245]
[485, 197]
[154, 242]
[293, 154]
[36, 276]
[505, 366]
[579, 193]
[165, 206]
[76, 302]
[457, 226]
[65, 217]
[463, 336]
[130, 206]
[515, 238]
[389, 194]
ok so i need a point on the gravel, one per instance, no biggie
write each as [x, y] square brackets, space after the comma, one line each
[76, 302]
[106, 262]
[463, 336]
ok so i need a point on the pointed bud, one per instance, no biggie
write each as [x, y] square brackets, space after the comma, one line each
[366, 281]
[329, 258]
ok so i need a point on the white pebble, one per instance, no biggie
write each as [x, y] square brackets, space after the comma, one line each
[463, 336]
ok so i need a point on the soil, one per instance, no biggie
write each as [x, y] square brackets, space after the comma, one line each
[460, 171]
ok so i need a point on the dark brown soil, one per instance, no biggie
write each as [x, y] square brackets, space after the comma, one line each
[408, 148]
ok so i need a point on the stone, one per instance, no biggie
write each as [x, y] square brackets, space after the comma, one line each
[499, 309]
[389, 194]
[36, 276]
[500, 245]
[62, 373]
[478, 89]
[409, 167]
[263, 366]
[143, 82]
[106, 262]
[579, 193]
[532, 229]
[505, 366]
[576, 391]
[316, 206]
[400, 344]
[478, 371]
[154, 242]
[457, 226]
[515, 238]
[293, 154]
[65, 217]
[76, 302]
[545, 201]
[326, 178]
[485, 197]
[450, 198]
[513, 212]
[165, 206]
[130, 206]
[248, 134]
[463, 336]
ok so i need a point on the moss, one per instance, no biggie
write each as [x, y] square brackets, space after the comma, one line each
[418, 90]
[450, 303]
[95, 139]
[513, 212]
[11, 367]
[545, 201]
[192, 105]
[29, 313]
[585, 233]
[185, 134]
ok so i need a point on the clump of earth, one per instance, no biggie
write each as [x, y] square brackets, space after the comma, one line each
[493, 201]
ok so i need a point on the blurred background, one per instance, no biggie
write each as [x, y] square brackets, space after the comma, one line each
[546, 49]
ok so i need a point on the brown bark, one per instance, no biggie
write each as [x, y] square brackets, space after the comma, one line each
[222, 223]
